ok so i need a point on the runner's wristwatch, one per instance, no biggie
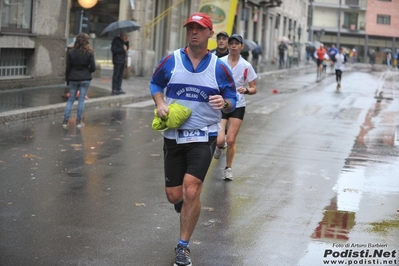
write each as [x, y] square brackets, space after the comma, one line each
[226, 104]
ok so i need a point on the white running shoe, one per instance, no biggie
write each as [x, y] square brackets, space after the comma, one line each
[228, 174]
[218, 153]
[225, 145]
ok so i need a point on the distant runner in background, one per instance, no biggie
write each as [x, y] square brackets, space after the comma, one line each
[331, 53]
[319, 55]
[339, 65]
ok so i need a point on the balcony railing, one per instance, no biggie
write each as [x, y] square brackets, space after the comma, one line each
[352, 2]
[335, 3]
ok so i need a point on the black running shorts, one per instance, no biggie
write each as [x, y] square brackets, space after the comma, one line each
[237, 113]
[191, 158]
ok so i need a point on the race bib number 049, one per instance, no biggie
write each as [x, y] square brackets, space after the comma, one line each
[191, 135]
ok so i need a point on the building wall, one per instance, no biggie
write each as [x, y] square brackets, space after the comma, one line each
[325, 17]
[148, 49]
[52, 26]
[46, 46]
[375, 8]
[296, 10]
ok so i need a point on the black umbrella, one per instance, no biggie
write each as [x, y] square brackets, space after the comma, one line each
[309, 44]
[117, 27]
[249, 45]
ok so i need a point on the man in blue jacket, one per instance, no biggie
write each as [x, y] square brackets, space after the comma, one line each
[119, 46]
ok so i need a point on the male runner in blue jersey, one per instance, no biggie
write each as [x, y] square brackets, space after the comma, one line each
[197, 79]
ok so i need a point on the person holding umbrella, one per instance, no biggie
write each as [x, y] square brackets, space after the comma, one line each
[119, 46]
[255, 54]
[281, 53]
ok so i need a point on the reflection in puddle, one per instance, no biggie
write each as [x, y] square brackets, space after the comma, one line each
[349, 189]
[335, 225]
[370, 171]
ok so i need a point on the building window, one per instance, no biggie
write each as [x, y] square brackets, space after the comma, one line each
[16, 16]
[384, 19]
[350, 20]
[277, 22]
[13, 62]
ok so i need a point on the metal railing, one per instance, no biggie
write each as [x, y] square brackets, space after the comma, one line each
[13, 62]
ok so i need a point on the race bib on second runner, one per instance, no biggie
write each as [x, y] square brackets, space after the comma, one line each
[192, 135]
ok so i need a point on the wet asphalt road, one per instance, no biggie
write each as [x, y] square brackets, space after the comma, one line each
[315, 175]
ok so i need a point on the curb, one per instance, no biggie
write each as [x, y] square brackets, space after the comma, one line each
[34, 112]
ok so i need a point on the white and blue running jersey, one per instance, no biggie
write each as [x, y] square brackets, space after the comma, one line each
[243, 72]
[180, 83]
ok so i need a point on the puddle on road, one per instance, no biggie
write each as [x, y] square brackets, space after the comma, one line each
[365, 205]
[335, 225]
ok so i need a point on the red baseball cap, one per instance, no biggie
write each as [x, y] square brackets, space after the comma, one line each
[200, 18]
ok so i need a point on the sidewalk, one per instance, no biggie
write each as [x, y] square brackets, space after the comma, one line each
[29, 103]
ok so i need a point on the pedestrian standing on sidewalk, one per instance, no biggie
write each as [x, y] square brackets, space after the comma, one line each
[119, 47]
[372, 58]
[222, 49]
[309, 53]
[243, 74]
[339, 65]
[281, 54]
[389, 57]
[255, 54]
[197, 79]
[290, 54]
[80, 64]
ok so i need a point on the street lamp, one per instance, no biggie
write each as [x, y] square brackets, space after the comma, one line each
[339, 25]
[299, 33]
[320, 33]
[87, 3]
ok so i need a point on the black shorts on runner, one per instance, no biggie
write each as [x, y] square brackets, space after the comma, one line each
[191, 158]
[237, 113]
[319, 62]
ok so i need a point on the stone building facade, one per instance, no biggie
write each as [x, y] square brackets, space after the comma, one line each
[32, 43]
[33, 49]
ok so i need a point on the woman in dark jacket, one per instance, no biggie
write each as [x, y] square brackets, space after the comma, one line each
[79, 66]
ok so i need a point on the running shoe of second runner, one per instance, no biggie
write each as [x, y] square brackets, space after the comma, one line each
[218, 153]
[182, 256]
[228, 174]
